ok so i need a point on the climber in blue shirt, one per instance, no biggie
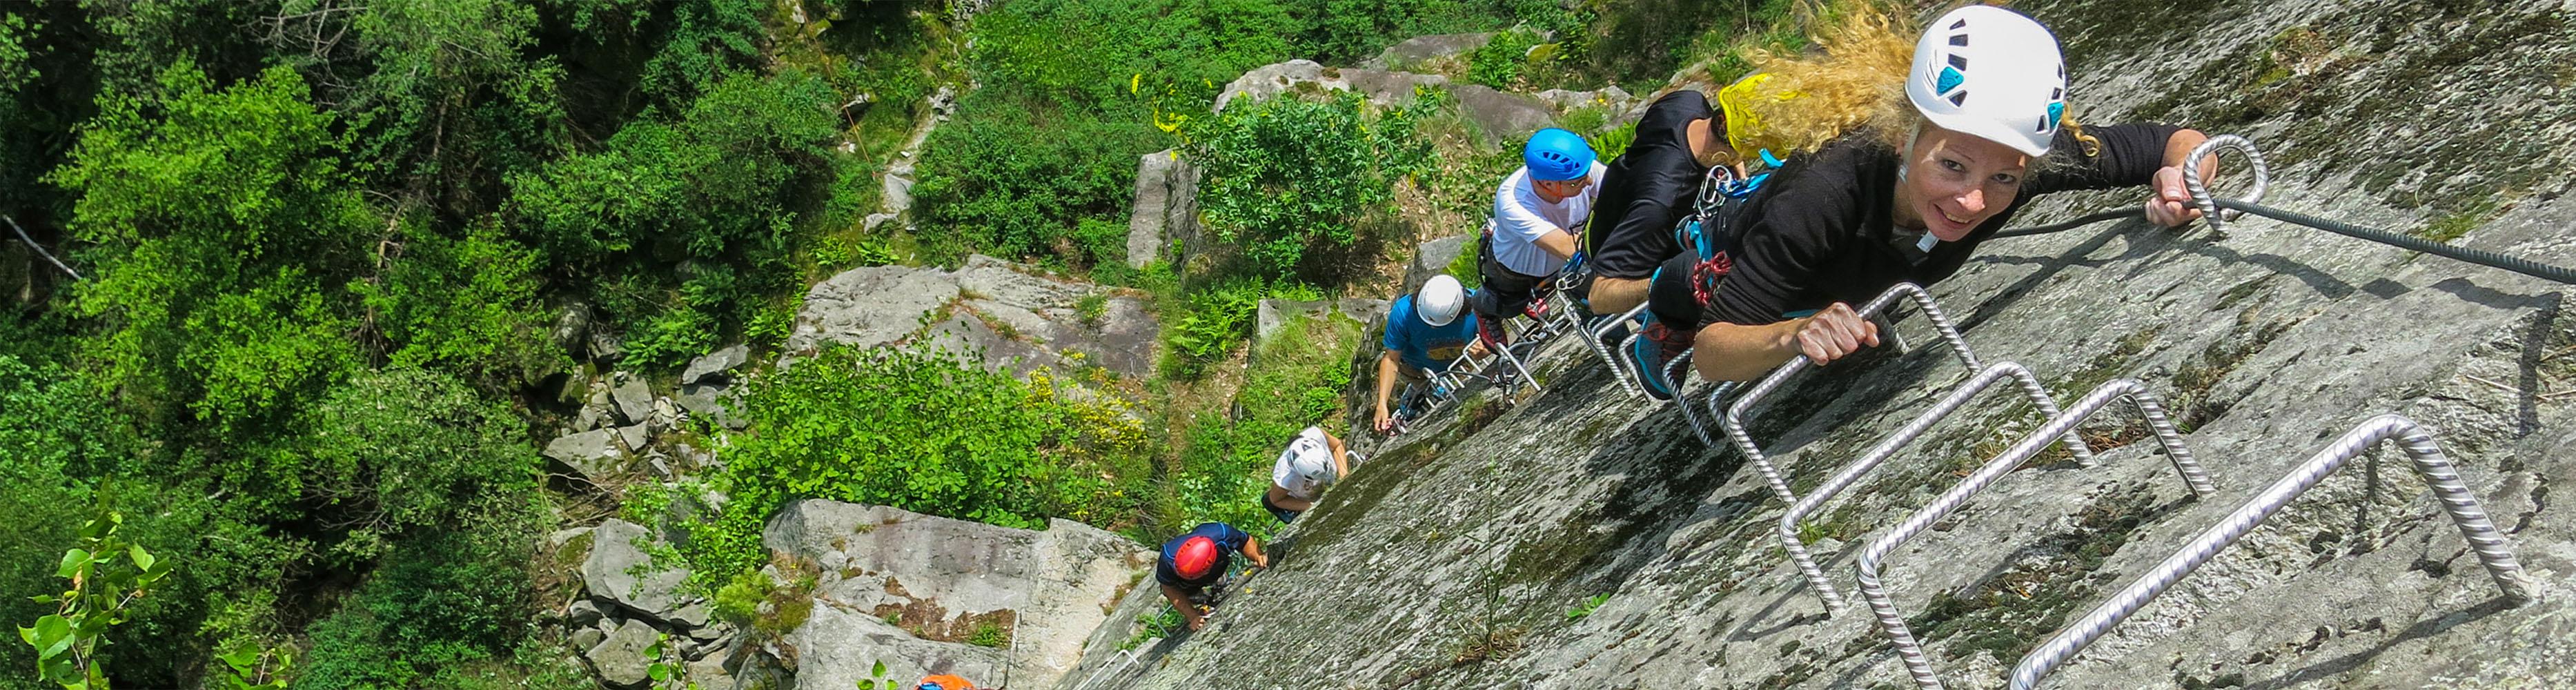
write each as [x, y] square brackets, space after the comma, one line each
[1196, 560]
[1425, 332]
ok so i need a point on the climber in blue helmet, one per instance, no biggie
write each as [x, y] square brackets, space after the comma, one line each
[1538, 212]
[1899, 188]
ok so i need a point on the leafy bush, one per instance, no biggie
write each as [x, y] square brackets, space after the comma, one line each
[1498, 63]
[216, 221]
[910, 430]
[1017, 177]
[466, 305]
[706, 197]
[391, 452]
[1218, 319]
[449, 598]
[1286, 176]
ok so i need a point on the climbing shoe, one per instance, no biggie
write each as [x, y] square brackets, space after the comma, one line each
[1654, 349]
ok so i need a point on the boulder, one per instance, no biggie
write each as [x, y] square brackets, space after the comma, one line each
[1166, 207]
[1432, 258]
[582, 613]
[634, 398]
[605, 346]
[621, 571]
[599, 410]
[1415, 52]
[587, 637]
[942, 579]
[1379, 86]
[1502, 115]
[1016, 319]
[720, 362]
[708, 673]
[592, 453]
[710, 402]
[869, 306]
[619, 659]
[635, 436]
[571, 330]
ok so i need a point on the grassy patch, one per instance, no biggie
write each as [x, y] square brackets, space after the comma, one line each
[2452, 226]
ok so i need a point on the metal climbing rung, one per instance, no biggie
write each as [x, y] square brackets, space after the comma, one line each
[1618, 370]
[2058, 425]
[1126, 662]
[2429, 462]
[1851, 473]
[1732, 417]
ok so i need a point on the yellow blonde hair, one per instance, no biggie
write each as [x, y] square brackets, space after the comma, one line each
[1855, 79]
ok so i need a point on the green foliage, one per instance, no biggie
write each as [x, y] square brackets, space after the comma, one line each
[1219, 319]
[1289, 176]
[399, 450]
[467, 305]
[693, 45]
[989, 634]
[251, 667]
[705, 199]
[1499, 62]
[1463, 266]
[1296, 380]
[107, 574]
[1587, 607]
[440, 600]
[216, 218]
[1016, 177]
[909, 430]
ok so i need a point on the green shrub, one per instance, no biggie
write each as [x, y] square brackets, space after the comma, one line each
[914, 431]
[1218, 320]
[1016, 177]
[441, 601]
[1288, 176]
[216, 219]
[705, 199]
[467, 305]
[1499, 62]
[396, 451]
[1464, 267]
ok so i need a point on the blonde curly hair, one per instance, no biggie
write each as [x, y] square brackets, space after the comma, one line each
[1853, 80]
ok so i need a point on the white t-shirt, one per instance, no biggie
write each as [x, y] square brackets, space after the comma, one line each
[1306, 467]
[1521, 217]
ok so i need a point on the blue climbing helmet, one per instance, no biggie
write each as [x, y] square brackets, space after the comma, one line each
[1556, 155]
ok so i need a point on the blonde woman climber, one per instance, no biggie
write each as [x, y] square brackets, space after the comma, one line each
[1907, 164]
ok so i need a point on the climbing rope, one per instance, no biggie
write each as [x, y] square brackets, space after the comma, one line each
[2217, 211]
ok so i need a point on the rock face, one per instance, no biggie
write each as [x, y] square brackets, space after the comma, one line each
[1430, 259]
[1501, 115]
[1166, 208]
[1583, 539]
[1416, 53]
[945, 582]
[1018, 320]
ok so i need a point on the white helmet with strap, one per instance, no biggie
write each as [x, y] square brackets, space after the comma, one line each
[1440, 300]
[1991, 73]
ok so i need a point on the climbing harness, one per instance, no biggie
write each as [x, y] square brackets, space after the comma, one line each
[2217, 211]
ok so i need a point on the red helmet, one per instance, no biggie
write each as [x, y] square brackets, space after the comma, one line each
[1196, 556]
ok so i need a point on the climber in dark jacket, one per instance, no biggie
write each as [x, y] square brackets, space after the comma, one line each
[1192, 562]
[1904, 192]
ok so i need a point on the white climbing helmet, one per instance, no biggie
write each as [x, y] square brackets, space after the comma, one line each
[1440, 300]
[1991, 73]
